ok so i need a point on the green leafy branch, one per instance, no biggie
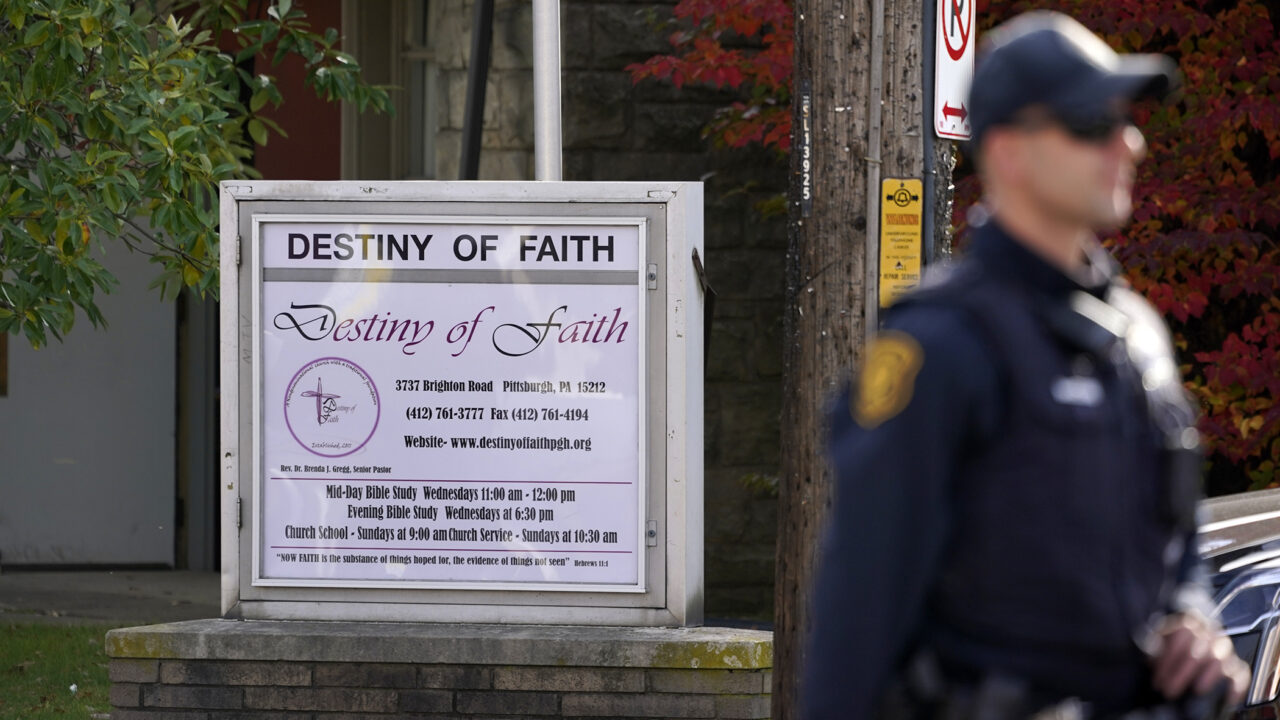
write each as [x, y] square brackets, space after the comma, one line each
[117, 122]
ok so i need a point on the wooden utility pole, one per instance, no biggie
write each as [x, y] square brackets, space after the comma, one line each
[858, 117]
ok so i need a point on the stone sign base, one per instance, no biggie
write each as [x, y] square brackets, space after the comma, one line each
[210, 669]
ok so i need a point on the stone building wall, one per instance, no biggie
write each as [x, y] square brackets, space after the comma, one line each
[507, 138]
[617, 130]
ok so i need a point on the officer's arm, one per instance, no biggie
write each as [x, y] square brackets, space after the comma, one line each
[1190, 652]
[1193, 592]
[928, 389]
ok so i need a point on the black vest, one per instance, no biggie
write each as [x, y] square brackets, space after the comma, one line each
[1070, 522]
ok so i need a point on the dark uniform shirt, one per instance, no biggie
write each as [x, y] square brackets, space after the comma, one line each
[1003, 488]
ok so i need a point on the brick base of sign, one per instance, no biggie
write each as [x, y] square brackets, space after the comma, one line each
[269, 670]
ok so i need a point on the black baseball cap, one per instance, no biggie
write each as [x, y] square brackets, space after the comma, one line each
[1047, 58]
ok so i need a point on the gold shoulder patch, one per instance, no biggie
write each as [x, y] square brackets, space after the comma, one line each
[888, 378]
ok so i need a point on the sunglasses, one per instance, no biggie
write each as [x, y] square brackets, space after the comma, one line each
[1093, 127]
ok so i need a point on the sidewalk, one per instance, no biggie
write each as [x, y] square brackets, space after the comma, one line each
[126, 598]
[120, 598]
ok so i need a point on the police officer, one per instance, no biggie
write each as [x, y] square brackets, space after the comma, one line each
[1017, 463]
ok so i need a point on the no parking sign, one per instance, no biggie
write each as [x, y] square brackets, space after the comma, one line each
[953, 68]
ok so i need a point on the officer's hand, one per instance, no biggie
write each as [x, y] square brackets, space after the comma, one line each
[1191, 654]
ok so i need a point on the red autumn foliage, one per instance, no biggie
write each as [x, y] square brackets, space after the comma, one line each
[1202, 245]
[1203, 241]
[745, 45]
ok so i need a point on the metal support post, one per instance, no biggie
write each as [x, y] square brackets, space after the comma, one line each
[547, 153]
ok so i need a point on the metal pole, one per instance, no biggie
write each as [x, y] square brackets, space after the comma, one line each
[546, 90]
[871, 289]
[928, 226]
[477, 80]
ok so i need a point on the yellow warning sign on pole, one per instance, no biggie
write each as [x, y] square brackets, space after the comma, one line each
[901, 211]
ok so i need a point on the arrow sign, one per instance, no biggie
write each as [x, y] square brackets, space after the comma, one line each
[953, 67]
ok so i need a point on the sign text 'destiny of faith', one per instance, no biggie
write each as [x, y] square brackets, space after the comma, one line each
[445, 246]
[451, 402]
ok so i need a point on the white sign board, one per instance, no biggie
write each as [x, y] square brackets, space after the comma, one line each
[462, 402]
[953, 68]
[436, 409]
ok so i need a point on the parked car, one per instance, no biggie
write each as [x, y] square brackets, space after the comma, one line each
[1240, 539]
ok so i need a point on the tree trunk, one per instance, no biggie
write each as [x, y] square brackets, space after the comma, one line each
[825, 319]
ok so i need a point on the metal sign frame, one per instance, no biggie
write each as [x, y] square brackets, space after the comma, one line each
[669, 513]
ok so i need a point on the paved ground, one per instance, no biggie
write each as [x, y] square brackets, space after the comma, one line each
[121, 598]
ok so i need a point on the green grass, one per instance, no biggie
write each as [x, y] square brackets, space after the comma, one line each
[40, 663]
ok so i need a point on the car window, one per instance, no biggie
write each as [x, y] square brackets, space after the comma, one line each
[1242, 610]
[1247, 645]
